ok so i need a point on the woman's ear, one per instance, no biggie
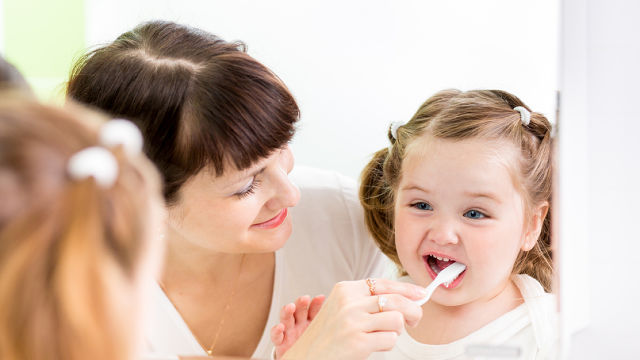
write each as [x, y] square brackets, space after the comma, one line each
[535, 223]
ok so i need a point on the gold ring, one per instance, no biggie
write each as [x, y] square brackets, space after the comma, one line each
[382, 301]
[372, 286]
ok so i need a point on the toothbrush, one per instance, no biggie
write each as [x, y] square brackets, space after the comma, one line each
[446, 276]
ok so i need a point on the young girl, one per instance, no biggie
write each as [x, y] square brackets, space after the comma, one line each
[80, 218]
[468, 179]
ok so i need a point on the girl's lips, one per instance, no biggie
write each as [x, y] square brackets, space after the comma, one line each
[273, 222]
[433, 274]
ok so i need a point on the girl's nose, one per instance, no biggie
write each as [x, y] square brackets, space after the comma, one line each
[443, 231]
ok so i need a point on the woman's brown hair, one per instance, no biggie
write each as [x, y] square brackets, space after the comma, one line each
[452, 114]
[199, 100]
[69, 249]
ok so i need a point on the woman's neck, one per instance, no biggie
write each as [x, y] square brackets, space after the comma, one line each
[444, 324]
[188, 264]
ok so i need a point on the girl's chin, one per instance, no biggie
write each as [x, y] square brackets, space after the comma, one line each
[447, 300]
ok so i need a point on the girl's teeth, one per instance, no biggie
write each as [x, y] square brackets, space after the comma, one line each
[441, 258]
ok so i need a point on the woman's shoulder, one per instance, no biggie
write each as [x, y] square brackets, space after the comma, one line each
[314, 180]
[328, 224]
[327, 195]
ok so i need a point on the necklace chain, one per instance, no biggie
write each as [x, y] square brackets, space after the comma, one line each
[224, 312]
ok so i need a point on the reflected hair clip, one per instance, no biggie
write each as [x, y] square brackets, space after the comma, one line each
[525, 115]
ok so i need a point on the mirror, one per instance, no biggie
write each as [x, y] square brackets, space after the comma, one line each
[356, 66]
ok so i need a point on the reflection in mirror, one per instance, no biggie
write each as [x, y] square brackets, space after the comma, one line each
[245, 245]
[354, 68]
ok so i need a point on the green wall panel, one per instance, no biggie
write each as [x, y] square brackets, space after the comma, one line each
[42, 38]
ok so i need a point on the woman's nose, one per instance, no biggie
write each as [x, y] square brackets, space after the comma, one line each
[287, 193]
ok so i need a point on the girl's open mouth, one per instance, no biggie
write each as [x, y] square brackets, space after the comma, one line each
[436, 263]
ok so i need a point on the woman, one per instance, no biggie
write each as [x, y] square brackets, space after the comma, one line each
[78, 238]
[217, 124]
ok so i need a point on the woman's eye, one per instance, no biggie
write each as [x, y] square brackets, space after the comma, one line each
[474, 214]
[422, 206]
[249, 190]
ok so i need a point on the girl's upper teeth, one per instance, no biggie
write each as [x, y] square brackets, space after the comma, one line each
[441, 258]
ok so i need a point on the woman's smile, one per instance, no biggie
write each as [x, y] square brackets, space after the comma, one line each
[273, 222]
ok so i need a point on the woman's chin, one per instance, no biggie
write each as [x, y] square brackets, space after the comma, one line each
[271, 239]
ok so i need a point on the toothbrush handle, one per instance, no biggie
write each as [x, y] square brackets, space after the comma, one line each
[430, 289]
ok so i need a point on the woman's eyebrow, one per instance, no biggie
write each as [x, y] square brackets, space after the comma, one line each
[249, 173]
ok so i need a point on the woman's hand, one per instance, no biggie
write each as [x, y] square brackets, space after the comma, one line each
[350, 324]
[294, 319]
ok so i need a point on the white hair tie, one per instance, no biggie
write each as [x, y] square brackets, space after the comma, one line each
[525, 115]
[395, 125]
[122, 132]
[96, 162]
[100, 163]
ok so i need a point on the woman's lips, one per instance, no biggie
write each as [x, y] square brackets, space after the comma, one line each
[274, 222]
[433, 274]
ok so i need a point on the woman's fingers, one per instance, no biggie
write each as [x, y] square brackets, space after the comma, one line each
[385, 321]
[381, 340]
[314, 307]
[411, 312]
[384, 286]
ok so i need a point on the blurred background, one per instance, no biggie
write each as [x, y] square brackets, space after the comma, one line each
[355, 66]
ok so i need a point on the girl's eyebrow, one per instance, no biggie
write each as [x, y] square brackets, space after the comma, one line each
[409, 187]
[486, 195]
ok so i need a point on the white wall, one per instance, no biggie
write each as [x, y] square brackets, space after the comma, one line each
[609, 93]
[1, 27]
[355, 66]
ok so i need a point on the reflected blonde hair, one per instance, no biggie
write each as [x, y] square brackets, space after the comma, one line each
[67, 248]
[456, 115]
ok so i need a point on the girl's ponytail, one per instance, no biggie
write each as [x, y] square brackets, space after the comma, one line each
[377, 199]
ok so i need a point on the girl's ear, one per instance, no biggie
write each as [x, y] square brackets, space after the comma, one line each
[535, 226]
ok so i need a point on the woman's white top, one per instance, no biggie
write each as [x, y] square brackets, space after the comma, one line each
[329, 243]
[526, 332]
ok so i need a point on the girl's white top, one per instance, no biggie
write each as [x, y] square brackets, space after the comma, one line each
[530, 330]
[329, 243]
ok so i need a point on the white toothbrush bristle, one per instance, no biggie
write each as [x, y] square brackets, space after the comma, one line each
[445, 277]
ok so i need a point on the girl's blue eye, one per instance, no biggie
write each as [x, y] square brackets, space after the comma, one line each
[474, 214]
[422, 206]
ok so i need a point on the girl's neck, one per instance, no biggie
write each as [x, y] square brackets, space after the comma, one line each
[444, 324]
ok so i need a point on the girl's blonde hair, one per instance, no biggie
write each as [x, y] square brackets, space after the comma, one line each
[452, 114]
[68, 248]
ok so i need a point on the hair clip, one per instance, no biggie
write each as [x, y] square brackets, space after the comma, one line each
[96, 162]
[525, 115]
[395, 125]
[122, 132]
